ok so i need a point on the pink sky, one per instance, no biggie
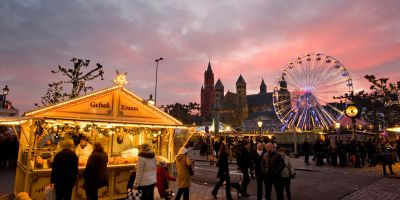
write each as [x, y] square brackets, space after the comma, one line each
[253, 38]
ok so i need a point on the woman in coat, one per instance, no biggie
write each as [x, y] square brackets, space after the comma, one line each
[95, 175]
[287, 173]
[223, 173]
[183, 167]
[146, 169]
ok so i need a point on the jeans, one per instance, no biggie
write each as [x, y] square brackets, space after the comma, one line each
[286, 187]
[185, 192]
[246, 179]
[91, 194]
[260, 181]
[147, 191]
[63, 192]
[227, 187]
[277, 183]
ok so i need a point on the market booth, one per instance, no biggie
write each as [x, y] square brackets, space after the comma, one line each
[115, 117]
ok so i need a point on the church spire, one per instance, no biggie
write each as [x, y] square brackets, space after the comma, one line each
[263, 87]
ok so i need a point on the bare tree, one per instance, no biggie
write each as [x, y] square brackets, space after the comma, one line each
[76, 77]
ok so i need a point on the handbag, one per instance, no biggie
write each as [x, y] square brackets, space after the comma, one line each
[50, 192]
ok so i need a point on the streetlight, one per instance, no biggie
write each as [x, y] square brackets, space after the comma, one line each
[337, 127]
[5, 92]
[155, 90]
[259, 124]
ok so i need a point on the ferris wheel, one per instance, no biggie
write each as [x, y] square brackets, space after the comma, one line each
[304, 97]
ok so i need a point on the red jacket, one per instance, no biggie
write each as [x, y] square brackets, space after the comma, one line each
[162, 176]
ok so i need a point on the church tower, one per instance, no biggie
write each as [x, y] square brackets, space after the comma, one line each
[207, 94]
[242, 110]
[263, 87]
[219, 92]
[284, 95]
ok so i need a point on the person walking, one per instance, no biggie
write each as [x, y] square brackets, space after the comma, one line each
[244, 163]
[287, 173]
[64, 170]
[272, 165]
[184, 170]
[306, 151]
[223, 173]
[257, 156]
[95, 175]
[384, 151]
[146, 172]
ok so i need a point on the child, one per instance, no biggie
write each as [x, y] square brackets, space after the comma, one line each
[162, 179]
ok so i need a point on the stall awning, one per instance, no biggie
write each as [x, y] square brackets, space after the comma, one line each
[111, 105]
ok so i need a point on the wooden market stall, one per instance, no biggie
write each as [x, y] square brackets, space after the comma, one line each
[115, 117]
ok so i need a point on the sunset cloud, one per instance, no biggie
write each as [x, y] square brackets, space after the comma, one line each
[253, 38]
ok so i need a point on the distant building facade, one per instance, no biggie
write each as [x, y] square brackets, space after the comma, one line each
[238, 110]
[6, 108]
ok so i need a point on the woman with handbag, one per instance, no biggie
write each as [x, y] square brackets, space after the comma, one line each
[95, 174]
[223, 173]
[287, 173]
[184, 169]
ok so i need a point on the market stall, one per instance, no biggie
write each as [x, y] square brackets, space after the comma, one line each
[117, 118]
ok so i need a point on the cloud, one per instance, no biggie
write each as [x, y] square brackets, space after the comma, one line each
[253, 38]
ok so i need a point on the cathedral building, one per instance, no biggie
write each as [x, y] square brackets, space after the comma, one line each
[237, 109]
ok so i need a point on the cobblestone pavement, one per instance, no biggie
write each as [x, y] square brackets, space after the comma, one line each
[386, 188]
[382, 187]
[299, 164]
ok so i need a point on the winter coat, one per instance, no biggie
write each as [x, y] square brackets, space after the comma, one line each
[272, 165]
[64, 169]
[95, 174]
[162, 177]
[257, 161]
[183, 164]
[288, 170]
[146, 170]
[243, 159]
[223, 166]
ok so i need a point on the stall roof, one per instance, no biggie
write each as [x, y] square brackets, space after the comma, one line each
[114, 104]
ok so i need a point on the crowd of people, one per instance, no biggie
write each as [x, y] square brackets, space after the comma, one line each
[149, 178]
[265, 163]
[8, 148]
[355, 153]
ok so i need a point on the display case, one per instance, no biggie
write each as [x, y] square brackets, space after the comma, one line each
[114, 117]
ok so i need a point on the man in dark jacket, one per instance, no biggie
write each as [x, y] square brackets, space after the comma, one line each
[95, 174]
[306, 151]
[257, 156]
[64, 171]
[272, 165]
[244, 163]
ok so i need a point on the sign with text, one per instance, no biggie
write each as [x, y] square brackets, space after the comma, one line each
[100, 106]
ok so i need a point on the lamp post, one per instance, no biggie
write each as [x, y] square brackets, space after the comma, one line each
[155, 90]
[337, 127]
[352, 112]
[260, 124]
[5, 92]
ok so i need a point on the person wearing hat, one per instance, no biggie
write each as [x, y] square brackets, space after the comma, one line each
[162, 179]
[146, 172]
[184, 169]
[64, 170]
[84, 149]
